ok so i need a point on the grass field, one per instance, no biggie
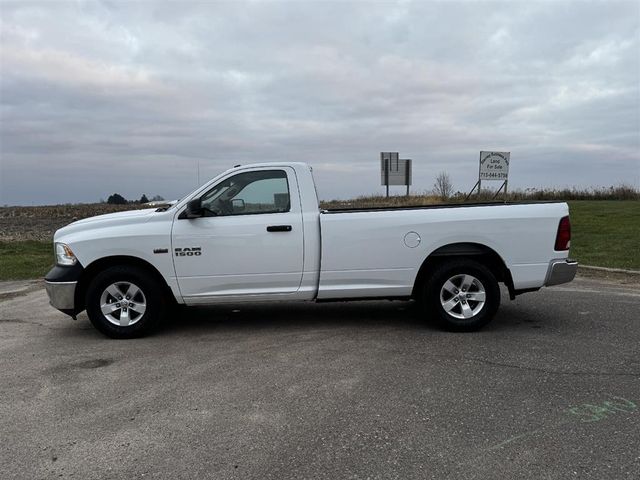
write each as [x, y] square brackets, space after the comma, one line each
[25, 259]
[606, 233]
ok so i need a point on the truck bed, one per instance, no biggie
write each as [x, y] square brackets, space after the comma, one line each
[377, 252]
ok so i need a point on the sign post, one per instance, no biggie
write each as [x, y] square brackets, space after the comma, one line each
[395, 171]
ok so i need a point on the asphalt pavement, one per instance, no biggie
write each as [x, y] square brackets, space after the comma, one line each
[550, 389]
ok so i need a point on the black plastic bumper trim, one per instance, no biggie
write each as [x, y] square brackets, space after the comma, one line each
[59, 273]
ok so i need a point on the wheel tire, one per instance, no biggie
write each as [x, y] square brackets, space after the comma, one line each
[465, 313]
[123, 320]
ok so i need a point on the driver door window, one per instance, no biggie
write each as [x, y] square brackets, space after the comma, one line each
[265, 191]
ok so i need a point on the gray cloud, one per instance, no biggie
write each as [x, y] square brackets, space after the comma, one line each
[103, 97]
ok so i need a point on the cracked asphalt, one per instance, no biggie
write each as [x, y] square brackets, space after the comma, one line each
[551, 389]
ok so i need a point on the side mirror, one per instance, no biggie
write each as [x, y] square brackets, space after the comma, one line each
[237, 204]
[194, 208]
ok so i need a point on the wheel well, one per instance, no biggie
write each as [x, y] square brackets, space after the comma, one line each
[102, 264]
[473, 251]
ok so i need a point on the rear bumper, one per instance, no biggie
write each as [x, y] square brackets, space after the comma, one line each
[561, 271]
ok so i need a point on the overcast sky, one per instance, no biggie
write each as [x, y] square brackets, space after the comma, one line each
[129, 97]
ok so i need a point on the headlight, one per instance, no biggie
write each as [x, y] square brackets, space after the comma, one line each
[64, 255]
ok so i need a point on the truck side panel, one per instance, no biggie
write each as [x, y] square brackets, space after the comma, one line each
[378, 254]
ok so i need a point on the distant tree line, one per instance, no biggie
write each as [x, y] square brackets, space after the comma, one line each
[117, 199]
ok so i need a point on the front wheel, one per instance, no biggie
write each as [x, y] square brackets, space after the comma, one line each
[124, 302]
[462, 295]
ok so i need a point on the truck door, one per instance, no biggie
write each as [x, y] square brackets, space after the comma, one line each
[249, 240]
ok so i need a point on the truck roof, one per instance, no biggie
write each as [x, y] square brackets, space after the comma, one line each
[273, 164]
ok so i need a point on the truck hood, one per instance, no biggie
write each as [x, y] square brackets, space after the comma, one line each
[108, 220]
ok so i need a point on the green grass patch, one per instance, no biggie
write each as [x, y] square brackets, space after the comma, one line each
[606, 233]
[25, 259]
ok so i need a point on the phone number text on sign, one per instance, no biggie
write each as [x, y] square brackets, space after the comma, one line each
[494, 165]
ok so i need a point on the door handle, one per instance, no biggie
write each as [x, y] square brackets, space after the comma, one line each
[279, 228]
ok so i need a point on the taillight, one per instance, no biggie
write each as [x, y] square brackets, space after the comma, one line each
[563, 238]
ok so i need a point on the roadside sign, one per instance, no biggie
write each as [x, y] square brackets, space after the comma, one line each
[494, 165]
[394, 170]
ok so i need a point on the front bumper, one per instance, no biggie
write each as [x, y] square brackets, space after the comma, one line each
[61, 284]
[62, 295]
[561, 271]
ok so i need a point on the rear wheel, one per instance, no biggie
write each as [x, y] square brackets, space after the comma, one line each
[124, 302]
[462, 295]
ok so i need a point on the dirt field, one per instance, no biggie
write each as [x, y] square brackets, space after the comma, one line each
[40, 223]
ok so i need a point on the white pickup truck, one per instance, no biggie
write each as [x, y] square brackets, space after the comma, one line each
[255, 234]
